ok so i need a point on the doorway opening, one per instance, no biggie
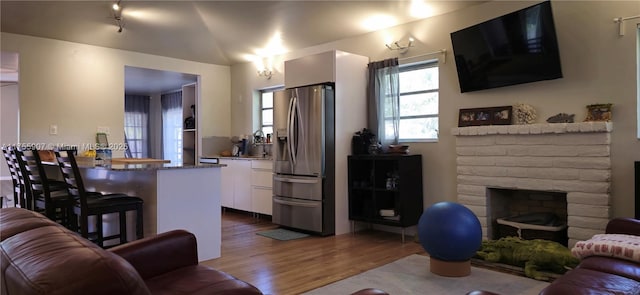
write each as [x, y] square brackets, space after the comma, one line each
[158, 103]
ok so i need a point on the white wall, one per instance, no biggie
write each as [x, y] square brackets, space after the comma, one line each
[598, 67]
[9, 118]
[80, 87]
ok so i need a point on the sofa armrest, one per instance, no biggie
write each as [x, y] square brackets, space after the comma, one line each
[160, 254]
[620, 225]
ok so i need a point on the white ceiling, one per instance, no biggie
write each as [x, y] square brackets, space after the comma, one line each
[216, 32]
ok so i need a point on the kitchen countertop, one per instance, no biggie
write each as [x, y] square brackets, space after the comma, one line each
[243, 158]
[138, 161]
[150, 167]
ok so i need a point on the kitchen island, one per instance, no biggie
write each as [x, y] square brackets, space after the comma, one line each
[175, 197]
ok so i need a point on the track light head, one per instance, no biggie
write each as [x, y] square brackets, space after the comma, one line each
[117, 15]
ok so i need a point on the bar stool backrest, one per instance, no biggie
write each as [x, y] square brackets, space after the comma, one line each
[20, 188]
[71, 174]
[35, 177]
[13, 171]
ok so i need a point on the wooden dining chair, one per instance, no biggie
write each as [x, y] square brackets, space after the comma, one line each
[19, 191]
[50, 197]
[96, 204]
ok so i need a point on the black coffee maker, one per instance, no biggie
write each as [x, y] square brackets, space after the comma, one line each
[190, 122]
[361, 141]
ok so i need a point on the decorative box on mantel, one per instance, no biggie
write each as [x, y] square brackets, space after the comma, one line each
[573, 158]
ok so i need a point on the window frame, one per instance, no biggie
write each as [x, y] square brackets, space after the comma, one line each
[261, 107]
[417, 66]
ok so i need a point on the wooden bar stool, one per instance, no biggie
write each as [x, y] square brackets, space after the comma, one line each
[19, 190]
[49, 197]
[95, 204]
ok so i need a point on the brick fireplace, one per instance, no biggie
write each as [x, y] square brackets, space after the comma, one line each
[566, 158]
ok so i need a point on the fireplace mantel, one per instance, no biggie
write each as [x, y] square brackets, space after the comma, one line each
[561, 157]
[546, 128]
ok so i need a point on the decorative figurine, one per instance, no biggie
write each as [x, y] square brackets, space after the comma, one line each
[599, 112]
[561, 118]
[524, 114]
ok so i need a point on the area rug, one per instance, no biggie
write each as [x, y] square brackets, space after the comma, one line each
[282, 234]
[411, 275]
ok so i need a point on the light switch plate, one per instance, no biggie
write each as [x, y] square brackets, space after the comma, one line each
[103, 129]
[53, 129]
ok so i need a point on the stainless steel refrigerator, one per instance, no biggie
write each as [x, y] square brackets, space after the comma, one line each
[304, 155]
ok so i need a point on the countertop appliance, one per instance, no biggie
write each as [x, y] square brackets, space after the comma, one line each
[304, 159]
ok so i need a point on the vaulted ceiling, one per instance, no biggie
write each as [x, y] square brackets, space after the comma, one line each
[217, 32]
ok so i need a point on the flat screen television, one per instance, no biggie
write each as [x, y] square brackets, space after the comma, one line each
[516, 48]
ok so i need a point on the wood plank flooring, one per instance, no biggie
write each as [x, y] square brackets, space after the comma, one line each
[296, 266]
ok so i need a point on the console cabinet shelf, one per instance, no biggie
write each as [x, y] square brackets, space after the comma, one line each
[385, 189]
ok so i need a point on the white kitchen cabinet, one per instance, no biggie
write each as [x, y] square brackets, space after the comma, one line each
[261, 200]
[308, 70]
[261, 186]
[226, 183]
[236, 184]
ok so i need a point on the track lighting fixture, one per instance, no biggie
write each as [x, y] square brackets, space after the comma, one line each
[401, 48]
[117, 15]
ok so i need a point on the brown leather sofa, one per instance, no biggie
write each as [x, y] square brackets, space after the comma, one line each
[599, 274]
[38, 256]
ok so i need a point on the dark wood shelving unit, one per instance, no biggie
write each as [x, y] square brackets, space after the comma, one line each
[391, 182]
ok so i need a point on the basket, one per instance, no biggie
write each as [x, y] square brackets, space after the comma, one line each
[85, 161]
[527, 231]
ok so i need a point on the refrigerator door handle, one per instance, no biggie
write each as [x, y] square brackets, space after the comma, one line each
[289, 131]
[295, 180]
[297, 204]
[300, 126]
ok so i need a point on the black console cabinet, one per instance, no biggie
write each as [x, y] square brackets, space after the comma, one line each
[385, 189]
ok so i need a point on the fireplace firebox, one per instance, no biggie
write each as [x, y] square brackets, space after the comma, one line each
[527, 214]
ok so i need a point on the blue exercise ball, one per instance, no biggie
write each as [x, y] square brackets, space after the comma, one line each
[449, 231]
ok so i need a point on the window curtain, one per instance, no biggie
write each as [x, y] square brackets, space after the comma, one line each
[136, 125]
[383, 100]
[172, 126]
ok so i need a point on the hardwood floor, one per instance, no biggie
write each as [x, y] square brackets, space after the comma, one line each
[296, 266]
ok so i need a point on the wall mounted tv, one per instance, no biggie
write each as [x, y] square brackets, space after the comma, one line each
[516, 48]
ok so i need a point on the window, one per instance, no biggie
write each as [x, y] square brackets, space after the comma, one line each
[172, 127]
[419, 102]
[136, 125]
[266, 111]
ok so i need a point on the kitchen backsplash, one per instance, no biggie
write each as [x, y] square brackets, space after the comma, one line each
[213, 146]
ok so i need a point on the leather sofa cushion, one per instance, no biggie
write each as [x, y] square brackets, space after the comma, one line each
[620, 267]
[16, 220]
[199, 279]
[581, 281]
[44, 267]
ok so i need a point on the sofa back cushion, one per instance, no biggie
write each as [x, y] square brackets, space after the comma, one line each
[52, 260]
[17, 220]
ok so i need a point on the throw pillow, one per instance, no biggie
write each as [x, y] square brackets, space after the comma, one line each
[611, 245]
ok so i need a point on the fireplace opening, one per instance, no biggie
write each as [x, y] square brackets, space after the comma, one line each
[527, 214]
